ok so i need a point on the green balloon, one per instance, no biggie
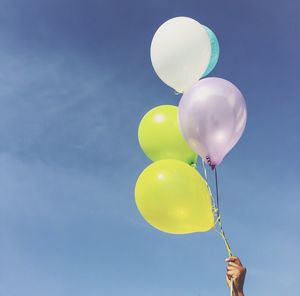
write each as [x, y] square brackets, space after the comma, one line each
[160, 137]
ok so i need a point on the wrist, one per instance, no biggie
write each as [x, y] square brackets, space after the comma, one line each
[238, 293]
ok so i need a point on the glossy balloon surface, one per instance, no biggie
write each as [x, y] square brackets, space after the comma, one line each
[212, 117]
[173, 197]
[160, 137]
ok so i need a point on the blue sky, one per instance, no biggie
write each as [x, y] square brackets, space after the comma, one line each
[75, 80]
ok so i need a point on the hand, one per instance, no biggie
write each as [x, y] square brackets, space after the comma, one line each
[235, 272]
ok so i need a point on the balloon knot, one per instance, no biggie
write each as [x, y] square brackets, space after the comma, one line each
[210, 163]
[178, 92]
[194, 165]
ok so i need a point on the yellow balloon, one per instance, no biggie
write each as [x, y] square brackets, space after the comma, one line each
[160, 136]
[173, 197]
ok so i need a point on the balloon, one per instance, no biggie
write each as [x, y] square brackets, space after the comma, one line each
[180, 52]
[215, 51]
[173, 197]
[160, 137]
[212, 118]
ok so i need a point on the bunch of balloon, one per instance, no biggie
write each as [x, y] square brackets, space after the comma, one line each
[211, 117]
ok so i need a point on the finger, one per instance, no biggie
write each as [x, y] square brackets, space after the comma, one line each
[232, 273]
[230, 278]
[230, 259]
[233, 264]
[236, 270]
[232, 268]
[233, 259]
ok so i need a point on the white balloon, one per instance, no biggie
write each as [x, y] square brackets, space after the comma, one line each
[180, 52]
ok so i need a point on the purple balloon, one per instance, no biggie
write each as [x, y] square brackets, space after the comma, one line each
[212, 118]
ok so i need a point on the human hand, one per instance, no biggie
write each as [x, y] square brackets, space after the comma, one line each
[235, 272]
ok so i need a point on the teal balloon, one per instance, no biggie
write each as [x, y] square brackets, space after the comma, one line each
[215, 51]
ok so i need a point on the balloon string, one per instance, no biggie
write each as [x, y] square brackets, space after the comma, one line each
[208, 187]
[222, 233]
[216, 208]
[217, 191]
[219, 216]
